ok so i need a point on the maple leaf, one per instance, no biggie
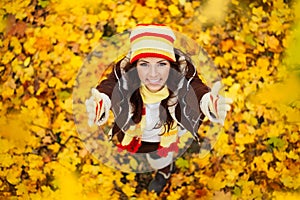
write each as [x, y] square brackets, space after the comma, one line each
[15, 27]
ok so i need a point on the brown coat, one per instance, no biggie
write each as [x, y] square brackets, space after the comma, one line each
[187, 112]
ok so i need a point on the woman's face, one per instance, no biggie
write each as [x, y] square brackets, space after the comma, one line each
[153, 72]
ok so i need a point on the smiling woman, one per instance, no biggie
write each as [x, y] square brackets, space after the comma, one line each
[157, 98]
[153, 72]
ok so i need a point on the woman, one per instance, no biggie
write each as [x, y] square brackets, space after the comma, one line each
[156, 97]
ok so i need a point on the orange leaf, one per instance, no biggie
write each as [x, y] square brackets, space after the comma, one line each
[227, 45]
[273, 42]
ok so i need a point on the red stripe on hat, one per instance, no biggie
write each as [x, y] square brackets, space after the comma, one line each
[169, 38]
[145, 55]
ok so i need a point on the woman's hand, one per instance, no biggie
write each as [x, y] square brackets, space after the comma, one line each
[215, 106]
[97, 107]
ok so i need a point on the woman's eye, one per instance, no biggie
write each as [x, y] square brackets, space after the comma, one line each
[162, 64]
[143, 64]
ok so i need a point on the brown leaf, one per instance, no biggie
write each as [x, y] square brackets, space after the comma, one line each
[142, 2]
[200, 192]
[15, 27]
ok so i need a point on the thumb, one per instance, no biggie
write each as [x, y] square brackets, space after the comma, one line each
[216, 88]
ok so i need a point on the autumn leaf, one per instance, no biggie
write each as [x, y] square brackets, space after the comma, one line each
[182, 163]
[174, 11]
[14, 27]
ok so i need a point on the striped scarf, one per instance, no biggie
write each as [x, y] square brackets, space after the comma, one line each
[136, 131]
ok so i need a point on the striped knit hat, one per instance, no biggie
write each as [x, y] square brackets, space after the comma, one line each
[152, 40]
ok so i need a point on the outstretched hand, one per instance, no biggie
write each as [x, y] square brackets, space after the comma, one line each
[97, 107]
[214, 105]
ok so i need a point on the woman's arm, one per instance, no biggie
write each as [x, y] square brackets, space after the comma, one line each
[99, 104]
[108, 85]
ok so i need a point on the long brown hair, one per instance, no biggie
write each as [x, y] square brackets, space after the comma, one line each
[133, 84]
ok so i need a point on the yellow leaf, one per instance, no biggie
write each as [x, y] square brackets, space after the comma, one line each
[22, 189]
[7, 57]
[173, 9]
[6, 159]
[15, 43]
[272, 42]
[217, 182]
[267, 157]
[233, 91]
[293, 155]
[293, 115]
[290, 181]
[31, 103]
[42, 87]
[288, 195]
[55, 82]
[104, 15]
[68, 186]
[128, 190]
[13, 175]
[29, 45]
[15, 128]
[151, 3]
[271, 173]
[36, 174]
[137, 11]
[263, 63]
[27, 61]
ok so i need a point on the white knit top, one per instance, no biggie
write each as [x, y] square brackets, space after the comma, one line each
[152, 127]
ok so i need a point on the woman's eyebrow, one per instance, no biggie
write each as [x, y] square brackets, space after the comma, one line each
[143, 61]
[162, 61]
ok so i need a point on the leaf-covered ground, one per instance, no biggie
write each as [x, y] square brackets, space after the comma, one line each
[255, 45]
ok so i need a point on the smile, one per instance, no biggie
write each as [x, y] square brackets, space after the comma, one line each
[154, 81]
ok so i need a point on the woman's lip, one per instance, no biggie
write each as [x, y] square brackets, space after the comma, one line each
[154, 81]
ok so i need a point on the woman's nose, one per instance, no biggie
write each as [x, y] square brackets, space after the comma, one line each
[153, 70]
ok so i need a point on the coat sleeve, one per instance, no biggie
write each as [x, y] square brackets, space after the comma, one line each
[111, 87]
[196, 87]
[199, 87]
[188, 111]
[108, 85]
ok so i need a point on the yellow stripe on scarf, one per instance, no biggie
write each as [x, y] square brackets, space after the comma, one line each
[153, 97]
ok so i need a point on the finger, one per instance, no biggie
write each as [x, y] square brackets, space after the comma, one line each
[225, 107]
[228, 100]
[221, 121]
[224, 100]
[216, 88]
[91, 117]
[222, 115]
[89, 105]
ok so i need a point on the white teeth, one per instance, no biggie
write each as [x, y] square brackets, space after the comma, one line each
[154, 81]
